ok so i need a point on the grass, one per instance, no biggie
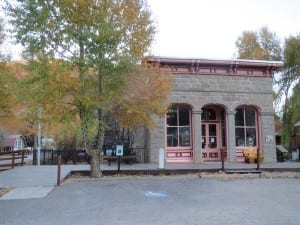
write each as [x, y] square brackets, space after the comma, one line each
[4, 190]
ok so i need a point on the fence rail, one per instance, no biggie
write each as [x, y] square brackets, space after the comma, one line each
[10, 159]
[50, 156]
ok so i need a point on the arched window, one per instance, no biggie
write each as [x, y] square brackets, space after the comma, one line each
[246, 127]
[178, 124]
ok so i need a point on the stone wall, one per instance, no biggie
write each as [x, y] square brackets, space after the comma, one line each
[229, 92]
[226, 90]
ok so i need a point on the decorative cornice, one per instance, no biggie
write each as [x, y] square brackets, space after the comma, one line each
[237, 67]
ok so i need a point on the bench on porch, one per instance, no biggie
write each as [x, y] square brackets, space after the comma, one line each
[240, 157]
[128, 159]
[11, 159]
[250, 155]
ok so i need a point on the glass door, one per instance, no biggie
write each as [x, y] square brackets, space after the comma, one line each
[210, 142]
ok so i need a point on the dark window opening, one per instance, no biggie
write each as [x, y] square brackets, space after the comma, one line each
[208, 114]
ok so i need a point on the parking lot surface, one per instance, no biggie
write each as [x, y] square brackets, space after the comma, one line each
[187, 200]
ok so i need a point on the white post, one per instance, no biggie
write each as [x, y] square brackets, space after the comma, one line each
[161, 158]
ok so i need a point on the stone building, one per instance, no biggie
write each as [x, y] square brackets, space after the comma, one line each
[215, 105]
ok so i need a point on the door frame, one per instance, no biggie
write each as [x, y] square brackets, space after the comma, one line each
[208, 153]
[220, 120]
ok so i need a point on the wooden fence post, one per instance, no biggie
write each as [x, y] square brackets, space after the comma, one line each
[13, 160]
[23, 156]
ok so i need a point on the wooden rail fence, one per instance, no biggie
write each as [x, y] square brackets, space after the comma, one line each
[11, 159]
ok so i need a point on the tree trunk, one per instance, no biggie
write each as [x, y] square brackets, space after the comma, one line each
[96, 153]
[95, 163]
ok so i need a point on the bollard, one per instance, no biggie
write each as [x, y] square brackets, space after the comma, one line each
[161, 158]
[257, 159]
[119, 163]
[222, 159]
[58, 169]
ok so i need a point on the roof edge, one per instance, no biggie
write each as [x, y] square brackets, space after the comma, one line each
[191, 60]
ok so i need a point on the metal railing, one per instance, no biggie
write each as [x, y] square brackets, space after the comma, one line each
[50, 156]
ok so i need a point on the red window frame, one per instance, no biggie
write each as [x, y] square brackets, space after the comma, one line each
[178, 131]
[246, 133]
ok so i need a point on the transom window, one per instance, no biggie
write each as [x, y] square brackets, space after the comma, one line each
[178, 126]
[246, 126]
[208, 114]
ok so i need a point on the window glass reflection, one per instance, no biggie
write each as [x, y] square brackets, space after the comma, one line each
[184, 136]
[250, 117]
[239, 117]
[184, 116]
[172, 137]
[172, 117]
[208, 114]
[246, 125]
[240, 137]
[178, 126]
[250, 137]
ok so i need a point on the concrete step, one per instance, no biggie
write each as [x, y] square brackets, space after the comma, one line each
[243, 171]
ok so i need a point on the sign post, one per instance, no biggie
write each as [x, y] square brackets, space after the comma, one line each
[119, 153]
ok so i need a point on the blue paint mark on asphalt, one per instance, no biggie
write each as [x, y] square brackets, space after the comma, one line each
[156, 194]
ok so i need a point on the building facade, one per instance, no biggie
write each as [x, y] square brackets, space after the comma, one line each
[216, 106]
[13, 142]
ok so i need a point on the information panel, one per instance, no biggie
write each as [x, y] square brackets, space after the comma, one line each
[119, 150]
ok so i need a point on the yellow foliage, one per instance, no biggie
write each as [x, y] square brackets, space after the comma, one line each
[146, 93]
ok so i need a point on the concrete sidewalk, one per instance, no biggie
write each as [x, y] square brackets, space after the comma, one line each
[38, 181]
[28, 182]
[28, 176]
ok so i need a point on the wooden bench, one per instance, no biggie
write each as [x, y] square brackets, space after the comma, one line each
[240, 155]
[128, 159]
[250, 155]
[12, 159]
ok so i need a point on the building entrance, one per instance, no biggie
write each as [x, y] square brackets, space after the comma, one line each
[210, 142]
[213, 133]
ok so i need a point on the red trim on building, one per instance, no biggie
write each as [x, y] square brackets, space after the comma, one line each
[235, 67]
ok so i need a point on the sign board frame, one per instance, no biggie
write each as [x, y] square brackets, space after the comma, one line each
[119, 150]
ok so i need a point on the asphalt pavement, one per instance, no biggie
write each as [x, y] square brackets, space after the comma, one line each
[143, 200]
